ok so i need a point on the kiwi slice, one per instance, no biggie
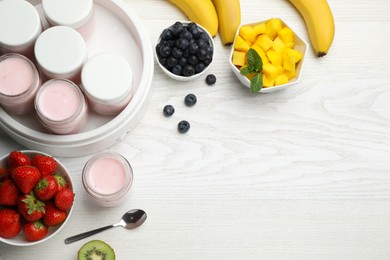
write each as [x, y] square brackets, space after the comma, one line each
[96, 250]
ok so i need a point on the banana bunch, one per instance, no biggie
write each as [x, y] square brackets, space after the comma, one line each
[319, 22]
[223, 16]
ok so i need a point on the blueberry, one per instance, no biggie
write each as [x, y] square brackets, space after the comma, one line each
[199, 67]
[182, 43]
[167, 34]
[202, 44]
[191, 26]
[188, 70]
[193, 60]
[176, 28]
[172, 61]
[201, 54]
[163, 61]
[204, 36]
[190, 100]
[183, 61]
[183, 126]
[177, 70]
[193, 48]
[209, 50]
[211, 79]
[176, 52]
[168, 110]
[186, 35]
[164, 51]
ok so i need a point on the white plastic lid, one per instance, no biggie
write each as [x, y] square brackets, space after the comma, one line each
[20, 24]
[60, 51]
[72, 13]
[107, 78]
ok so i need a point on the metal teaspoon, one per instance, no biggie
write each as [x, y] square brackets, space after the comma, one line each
[131, 219]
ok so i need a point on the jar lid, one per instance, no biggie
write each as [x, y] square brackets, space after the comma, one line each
[20, 17]
[107, 78]
[60, 50]
[72, 13]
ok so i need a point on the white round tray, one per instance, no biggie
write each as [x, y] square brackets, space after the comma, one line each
[118, 30]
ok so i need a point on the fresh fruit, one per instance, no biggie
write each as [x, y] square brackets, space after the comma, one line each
[25, 178]
[319, 22]
[201, 12]
[4, 174]
[53, 216]
[30, 207]
[184, 50]
[62, 182]
[96, 249]
[45, 164]
[46, 188]
[229, 18]
[168, 110]
[211, 79]
[9, 193]
[274, 43]
[10, 223]
[34, 231]
[17, 158]
[64, 199]
[183, 126]
[190, 100]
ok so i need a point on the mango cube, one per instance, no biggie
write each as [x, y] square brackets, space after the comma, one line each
[287, 36]
[259, 28]
[264, 42]
[281, 79]
[239, 58]
[261, 53]
[247, 33]
[271, 70]
[297, 55]
[267, 82]
[240, 44]
[288, 63]
[278, 45]
[272, 27]
[275, 57]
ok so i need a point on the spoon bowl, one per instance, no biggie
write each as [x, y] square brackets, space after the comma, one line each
[130, 220]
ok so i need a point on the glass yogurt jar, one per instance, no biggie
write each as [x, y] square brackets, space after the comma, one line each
[19, 83]
[77, 14]
[61, 107]
[20, 26]
[107, 178]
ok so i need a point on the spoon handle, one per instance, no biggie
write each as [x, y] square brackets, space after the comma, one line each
[86, 234]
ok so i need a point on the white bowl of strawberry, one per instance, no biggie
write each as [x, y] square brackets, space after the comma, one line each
[36, 197]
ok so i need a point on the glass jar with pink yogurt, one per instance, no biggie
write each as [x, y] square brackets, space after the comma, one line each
[19, 83]
[107, 178]
[61, 107]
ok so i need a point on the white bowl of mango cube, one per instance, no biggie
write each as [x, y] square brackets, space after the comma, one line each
[281, 50]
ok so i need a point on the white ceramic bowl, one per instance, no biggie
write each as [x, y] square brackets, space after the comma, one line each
[19, 240]
[300, 45]
[184, 78]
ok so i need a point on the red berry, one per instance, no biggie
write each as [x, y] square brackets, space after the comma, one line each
[62, 182]
[53, 216]
[9, 193]
[34, 231]
[16, 159]
[4, 174]
[45, 164]
[31, 208]
[25, 178]
[46, 188]
[64, 199]
[10, 223]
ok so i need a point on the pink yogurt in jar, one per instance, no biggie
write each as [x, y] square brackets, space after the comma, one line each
[61, 107]
[19, 83]
[107, 178]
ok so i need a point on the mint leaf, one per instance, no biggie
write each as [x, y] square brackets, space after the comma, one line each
[255, 64]
[245, 71]
[256, 83]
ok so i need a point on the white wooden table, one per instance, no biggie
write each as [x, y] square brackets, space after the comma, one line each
[299, 174]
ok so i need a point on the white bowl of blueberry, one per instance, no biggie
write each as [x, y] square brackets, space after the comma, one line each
[184, 50]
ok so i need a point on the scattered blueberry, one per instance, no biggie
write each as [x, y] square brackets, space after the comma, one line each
[168, 110]
[187, 46]
[190, 100]
[211, 79]
[183, 126]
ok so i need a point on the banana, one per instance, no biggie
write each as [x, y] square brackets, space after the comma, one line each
[229, 16]
[319, 22]
[201, 12]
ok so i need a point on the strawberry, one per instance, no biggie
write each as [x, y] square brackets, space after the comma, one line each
[4, 174]
[10, 223]
[46, 187]
[64, 199]
[45, 164]
[30, 207]
[53, 216]
[34, 231]
[25, 178]
[62, 182]
[16, 159]
[9, 193]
